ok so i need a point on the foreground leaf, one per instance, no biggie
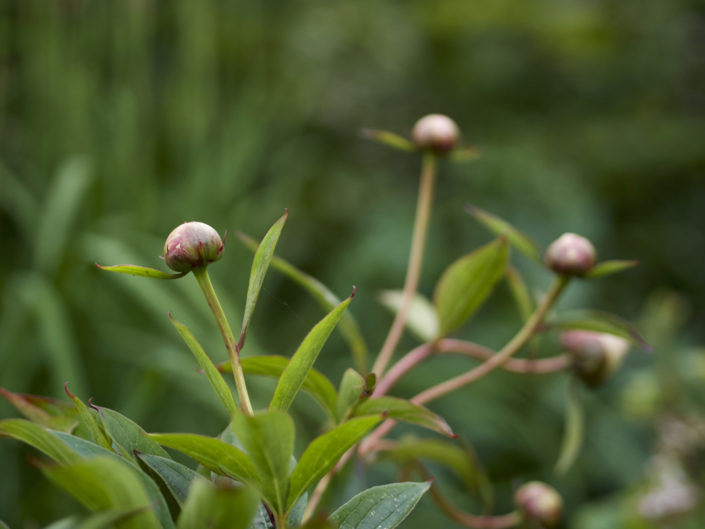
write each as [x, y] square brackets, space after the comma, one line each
[176, 477]
[406, 411]
[516, 238]
[88, 420]
[467, 283]
[574, 430]
[101, 520]
[350, 392]
[606, 268]
[421, 319]
[45, 411]
[40, 438]
[128, 435]
[382, 507]
[217, 507]
[592, 320]
[143, 271]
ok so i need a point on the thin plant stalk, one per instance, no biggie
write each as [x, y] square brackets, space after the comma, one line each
[204, 282]
[418, 244]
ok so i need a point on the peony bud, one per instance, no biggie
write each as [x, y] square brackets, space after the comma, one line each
[596, 355]
[539, 503]
[571, 255]
[436, 133]
[192, 245]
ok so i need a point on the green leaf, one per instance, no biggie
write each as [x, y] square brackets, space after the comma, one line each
[324, 452]
[88, 420]
[382, 507]
[574, 430]
[260, 264]
[500, 227]
[216, 455]
[102, 483]
[38, 437]
[142, 271]
[351, 387]
[102, 520]
[467, 283]
[348, 326]
[390, 139]
[465, 154]
[176, 477]
[422, 319]
[406, 411]
[520, 293]
[301, 363]
[44, 411]
[606, 268]
[592, 320]
[216, 380]
[316, 384]
[128, 435]
[268, 438]
[218, 507]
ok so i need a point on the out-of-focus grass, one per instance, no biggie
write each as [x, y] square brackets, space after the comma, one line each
[120, 119]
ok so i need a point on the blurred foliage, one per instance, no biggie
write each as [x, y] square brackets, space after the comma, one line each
[120, 119]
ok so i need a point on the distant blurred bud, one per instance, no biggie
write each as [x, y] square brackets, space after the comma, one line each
[596, 355]
[436, 133]
[192, 245]
[539, 503]
[571, 255]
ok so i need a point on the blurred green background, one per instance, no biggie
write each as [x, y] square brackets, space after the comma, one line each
[121, 119]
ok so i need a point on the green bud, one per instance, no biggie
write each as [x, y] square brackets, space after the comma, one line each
[596, 355]
[571, 255]
[192, 245]
[539, 503]
[436, 133]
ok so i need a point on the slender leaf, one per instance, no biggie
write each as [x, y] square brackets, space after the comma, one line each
[44, 411]
[467, 283]
[406, 411]
[592, 320]
[218, 507]
[101, 520]
[268, 438]
[88, 420]
[176, 477]
[301, 363]
[128, 435]
[38, 437]
[142, 271]
[390, 139]
[606, 268]
[216, 380]
[574, 430]
[382, 507]
[324, 452]
[500, 227]
[520, 293]
[422, 319]
[260, 265]
[351, 387]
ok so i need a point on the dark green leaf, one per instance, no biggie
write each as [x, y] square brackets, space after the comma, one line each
[142, 271]
[421, 319]
[573, 432]
[382, 507]
[39, 438]
[592, 320]
[128, 435]
[389, 139]
[406, 411]
[301, 363]
[467, 283]
[324, 452]
[176, 477]
[351, 387]
[44, 411]
[500, 227]
[217, 507]
[606, 268]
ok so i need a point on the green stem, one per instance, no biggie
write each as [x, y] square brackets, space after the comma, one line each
[204, 282]
[418, 243]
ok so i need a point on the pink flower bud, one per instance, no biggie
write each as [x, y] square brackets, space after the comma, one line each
[539, 503]
[571, 255]
[436, 133]
[192, 245]
[596, 355]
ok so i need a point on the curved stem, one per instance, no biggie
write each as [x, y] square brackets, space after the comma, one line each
[204, 282]
[402, 367]
[418, 243]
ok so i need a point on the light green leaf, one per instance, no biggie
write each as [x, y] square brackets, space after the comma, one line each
[348, 326]
[216, 380]
[101, 520]
[38, 437]
[390, 139]
[268, 438]
[324, 452]
[217, 507]
[574, 430]
[128, 435]
[520, 293]
[382, 507]
[89, 421]
[260, 265]
[467, 283]
[176, 477]
[500, 227]
[44, 411]
[421, 319]
[406, 411]
[301, 363]
[216, 455]
[351, 387]
[592, 320]
[606, 268]
[102, 483]
[142, 271]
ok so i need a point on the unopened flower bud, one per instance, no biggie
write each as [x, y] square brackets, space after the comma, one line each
[571, 255]
[596, 355]
[192, 245]
[436, 133]
[539, 503]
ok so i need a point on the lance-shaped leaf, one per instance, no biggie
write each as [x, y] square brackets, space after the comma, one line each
[348, 326]
[216, 380]
[467, 283]
[102, 483]
[89, 421]
[101, 520]
[520, 241]
[176, 477]
[351, 387]
[268, 438]
[217, 507]
[592, 320]
[218, 456]
[606, 268]
[406, 411]
[573, 432]
[127, 435]
[421, 319]
[260, 265]
[315, 383]
[45, 411]
[38, 437]
[301, 363]
[390, 139]
[324, 452]
[382, 507]
[142, 271]
[520, 293]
